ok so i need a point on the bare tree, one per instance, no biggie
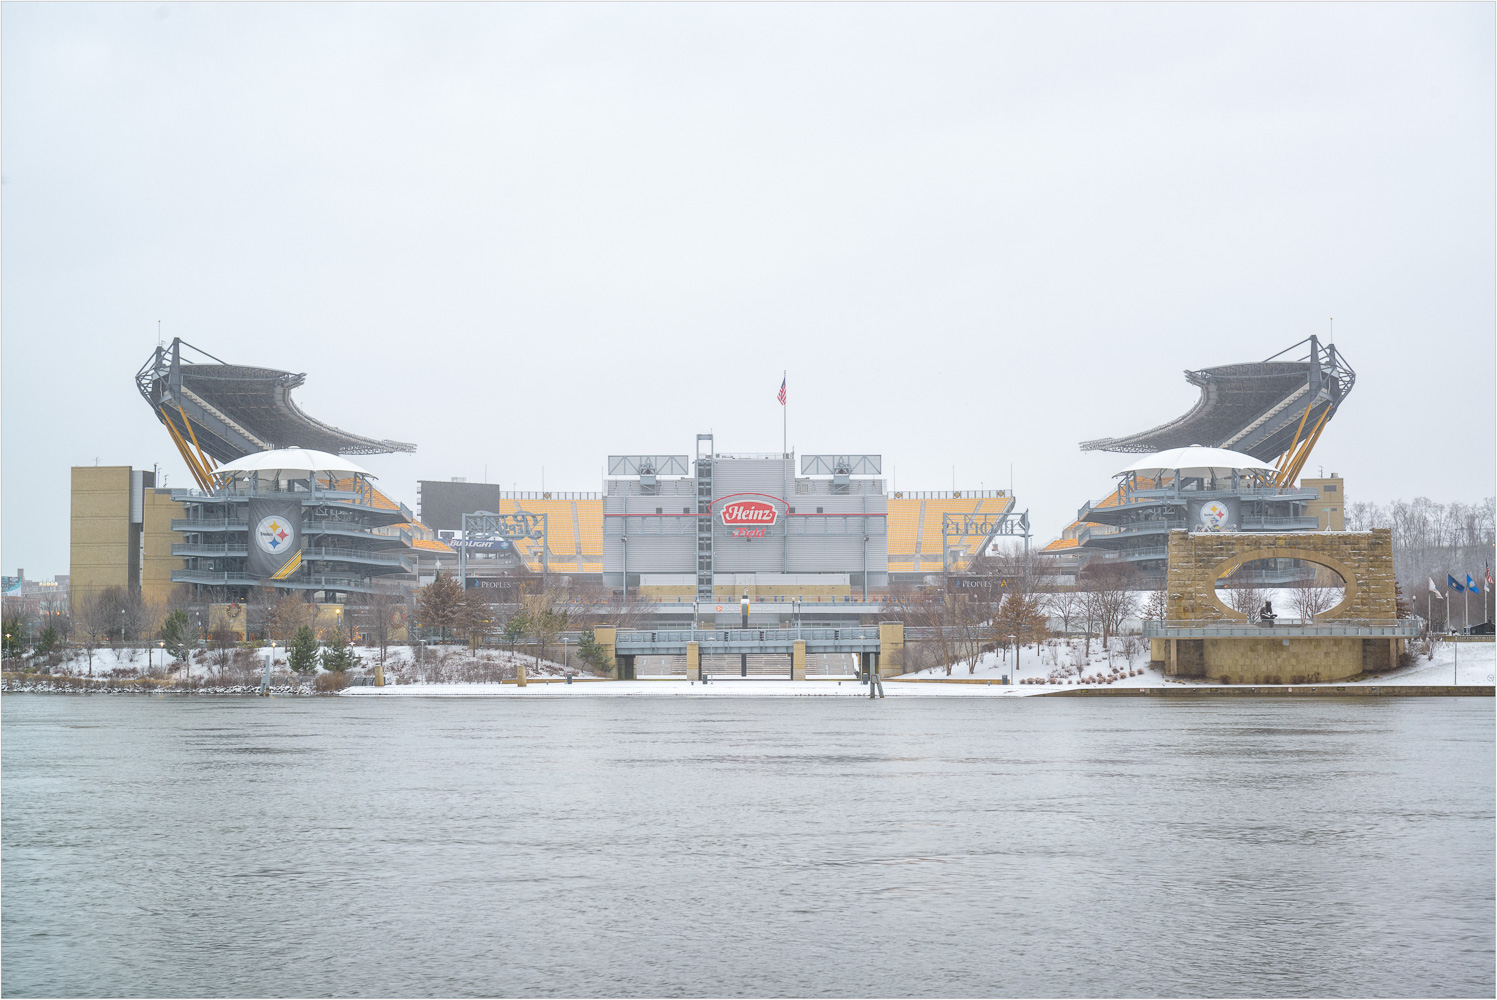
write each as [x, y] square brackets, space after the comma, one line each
[1106, 587]
[1155, 606]
[96, 617]
[933, 610]
[375, 617]
[1314, 596]
[221, 638]
[1245, 598]
[544, 620]
[54, 612]
[1068, 605]
[286, 615]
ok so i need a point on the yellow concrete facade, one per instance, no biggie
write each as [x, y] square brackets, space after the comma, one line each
[329, 621]
[99, 530]
[607, 638]
[157, 536]
[1332, 506]
[106, 550]
[890, 649]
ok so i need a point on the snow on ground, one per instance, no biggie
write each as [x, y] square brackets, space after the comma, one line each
[1060, 661]
[1059, 665]
[1478, 665]
[402, 663]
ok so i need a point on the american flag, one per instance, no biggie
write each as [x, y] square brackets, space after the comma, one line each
[782, 392]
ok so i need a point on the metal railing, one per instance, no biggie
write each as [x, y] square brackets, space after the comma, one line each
[1170, 493]
[196, 549]
[308, 552]
[1218, 628]
[815, 633]
[1144, 552]
[314, 527]
[1280, 522]
[300, 581]
[209, 524]
[983, 633]
[363, 498]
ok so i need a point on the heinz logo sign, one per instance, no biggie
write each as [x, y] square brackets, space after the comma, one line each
[755, 513]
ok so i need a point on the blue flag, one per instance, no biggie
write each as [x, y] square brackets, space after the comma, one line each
[1471, 585]
[1450, 582]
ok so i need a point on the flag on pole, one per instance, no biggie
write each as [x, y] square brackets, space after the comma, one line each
[1489, 576]
[1450, 582]
[782, 390]
[1435, 590]
[1472, 585]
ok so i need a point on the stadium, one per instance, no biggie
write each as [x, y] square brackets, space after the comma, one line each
[1233, 460]
[711, 526]
[676, 536]
[680, 534]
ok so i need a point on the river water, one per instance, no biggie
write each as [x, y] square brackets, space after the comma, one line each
[638, 846]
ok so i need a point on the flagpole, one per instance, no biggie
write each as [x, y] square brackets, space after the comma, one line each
[785, 415]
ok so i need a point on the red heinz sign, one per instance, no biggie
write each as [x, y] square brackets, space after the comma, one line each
[748, 513]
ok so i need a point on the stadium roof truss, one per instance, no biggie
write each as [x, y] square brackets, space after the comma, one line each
[648, 465]
[1272, 409]
[841, 465]
[218, 412]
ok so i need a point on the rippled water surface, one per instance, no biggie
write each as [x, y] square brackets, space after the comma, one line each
[778, 846]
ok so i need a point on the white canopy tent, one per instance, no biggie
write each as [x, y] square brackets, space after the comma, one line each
[1199, 462]
[290, 463]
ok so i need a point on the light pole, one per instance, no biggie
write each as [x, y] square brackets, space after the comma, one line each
[1014, 641]
[162, 643]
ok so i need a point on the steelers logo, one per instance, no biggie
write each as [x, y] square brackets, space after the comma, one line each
[1214, 515]
[274, 535]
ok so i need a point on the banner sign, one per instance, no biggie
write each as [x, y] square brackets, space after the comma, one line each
[1214, 515]
[748, 518]
[481, 544]
[980, 585]
[274, 538]
[500, 588]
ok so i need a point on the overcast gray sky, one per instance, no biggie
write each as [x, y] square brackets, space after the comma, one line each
[529, 235]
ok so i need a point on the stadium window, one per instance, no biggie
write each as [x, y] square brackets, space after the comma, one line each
[792, 510]
[686, 510]
[1330, 488]
[660, 510]
[818, 510]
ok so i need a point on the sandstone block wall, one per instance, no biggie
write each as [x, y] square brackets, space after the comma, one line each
[1363, 558]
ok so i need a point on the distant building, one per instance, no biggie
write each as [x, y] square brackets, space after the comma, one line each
[120, 533]
[1330, 505]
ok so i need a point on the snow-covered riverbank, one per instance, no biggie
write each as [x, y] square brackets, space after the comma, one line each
[457, 672]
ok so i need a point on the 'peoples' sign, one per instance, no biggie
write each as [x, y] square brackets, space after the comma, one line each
[748, 518]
